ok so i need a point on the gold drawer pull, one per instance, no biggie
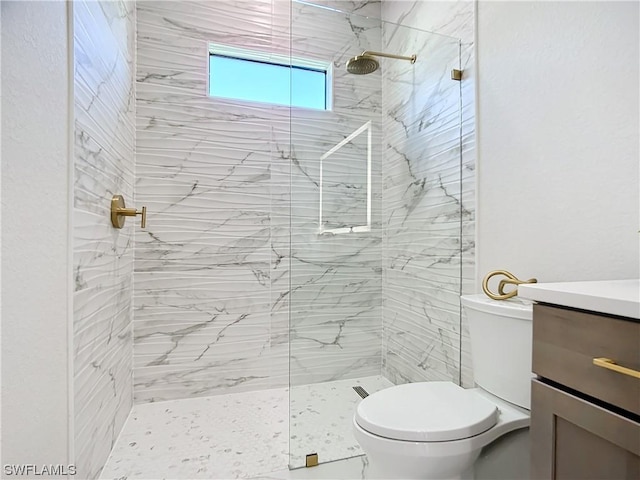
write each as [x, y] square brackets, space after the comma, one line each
[612, 365]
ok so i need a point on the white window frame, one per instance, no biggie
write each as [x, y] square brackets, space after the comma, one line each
[276, 59]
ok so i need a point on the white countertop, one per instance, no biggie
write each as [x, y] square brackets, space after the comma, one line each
[615, 297]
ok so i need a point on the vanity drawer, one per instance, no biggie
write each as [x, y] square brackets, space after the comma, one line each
[575, 439]
[565, 343]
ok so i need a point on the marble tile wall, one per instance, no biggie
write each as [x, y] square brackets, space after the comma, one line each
[365, 8]
[336, 276]
[223, 189]
[203, 269]
[104, 56]
[429, 194]
[215, 175]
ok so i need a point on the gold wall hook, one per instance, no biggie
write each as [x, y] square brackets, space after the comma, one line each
[511, 280]
[119, 211]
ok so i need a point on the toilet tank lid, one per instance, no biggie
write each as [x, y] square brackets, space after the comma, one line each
[426, 412]
[513, 307]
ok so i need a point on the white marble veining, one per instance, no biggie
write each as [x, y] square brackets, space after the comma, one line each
[204, 288]
[238, 435]
[231, 188]
[335, 319]
[367, 8]
[615, 297]
[453, 18]
[213, 269]
[103, 256]
[423, 210]
[456, 19]
[429, 209]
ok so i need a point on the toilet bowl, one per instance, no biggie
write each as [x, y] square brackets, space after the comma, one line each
[436, 430]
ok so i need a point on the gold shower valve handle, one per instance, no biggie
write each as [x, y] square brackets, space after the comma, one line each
[143, 219]
[119, 211]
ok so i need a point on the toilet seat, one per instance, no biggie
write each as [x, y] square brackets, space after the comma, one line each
[426, 412]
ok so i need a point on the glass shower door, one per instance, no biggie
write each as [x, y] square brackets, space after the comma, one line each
[363, 187]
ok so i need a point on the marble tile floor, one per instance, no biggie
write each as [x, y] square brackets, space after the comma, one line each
[243, 435]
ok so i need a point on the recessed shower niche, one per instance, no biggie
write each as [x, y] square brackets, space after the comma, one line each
[345, 185]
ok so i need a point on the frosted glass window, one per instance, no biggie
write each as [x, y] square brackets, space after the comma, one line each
[258, 81]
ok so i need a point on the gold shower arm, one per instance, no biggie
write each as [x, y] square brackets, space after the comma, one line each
[510, 280]
[412, 58]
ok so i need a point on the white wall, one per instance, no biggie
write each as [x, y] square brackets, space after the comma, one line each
[35, 241]
[558, 139]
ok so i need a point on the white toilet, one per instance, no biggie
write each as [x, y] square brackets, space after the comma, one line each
[436, 430]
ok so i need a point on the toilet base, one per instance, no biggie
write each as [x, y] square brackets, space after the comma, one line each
[417, 471]
[415, 460]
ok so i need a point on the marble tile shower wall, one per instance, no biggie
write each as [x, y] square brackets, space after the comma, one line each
[104, 43]
[421, 210]
[208, 171]
[429, 181]
[212, 292]
[336, 279]
[367, 8]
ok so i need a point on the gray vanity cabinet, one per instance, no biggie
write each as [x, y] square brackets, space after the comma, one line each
[585, 417]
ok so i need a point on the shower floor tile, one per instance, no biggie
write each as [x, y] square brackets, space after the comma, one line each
[226, 436]
[321, 418]
[240, 435]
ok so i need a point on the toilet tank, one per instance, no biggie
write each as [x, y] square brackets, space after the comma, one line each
[501, 336]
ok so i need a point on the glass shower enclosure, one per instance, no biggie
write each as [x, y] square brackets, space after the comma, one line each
[374, 224]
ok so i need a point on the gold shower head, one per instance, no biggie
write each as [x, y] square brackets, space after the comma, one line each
[366, 63]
